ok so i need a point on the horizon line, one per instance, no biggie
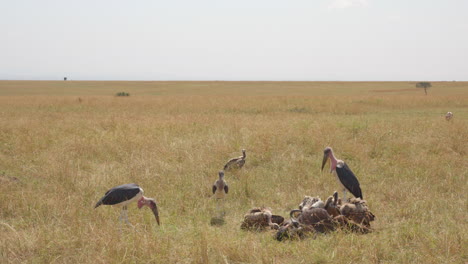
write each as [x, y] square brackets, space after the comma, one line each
[172, 80]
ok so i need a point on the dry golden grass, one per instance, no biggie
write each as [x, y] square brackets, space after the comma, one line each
[58, 156]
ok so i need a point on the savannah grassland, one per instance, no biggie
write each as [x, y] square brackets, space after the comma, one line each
[58, 156]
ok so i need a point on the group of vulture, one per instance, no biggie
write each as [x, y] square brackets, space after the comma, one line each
[313, 217]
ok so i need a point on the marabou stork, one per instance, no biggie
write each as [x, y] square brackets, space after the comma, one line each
[344, 174]
[125, 194]
[236, 162]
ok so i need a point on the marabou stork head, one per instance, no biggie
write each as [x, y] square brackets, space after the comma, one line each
[326, 155]
[151, 203]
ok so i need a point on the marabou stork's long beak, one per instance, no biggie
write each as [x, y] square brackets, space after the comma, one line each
[155, 212]
[154, 208]
[151, 203]
[324, 161]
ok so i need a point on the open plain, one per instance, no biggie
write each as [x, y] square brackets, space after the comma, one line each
[63, 144]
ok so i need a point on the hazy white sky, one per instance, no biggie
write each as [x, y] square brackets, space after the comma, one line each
[234, 40]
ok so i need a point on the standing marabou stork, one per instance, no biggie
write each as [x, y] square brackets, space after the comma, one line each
[344, 174]
[236, 162]
[125, 194]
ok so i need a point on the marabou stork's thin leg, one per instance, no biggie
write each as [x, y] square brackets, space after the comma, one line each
[126, 216]
[122, 212]
[344, 195]
[121, 219]
[124, 209]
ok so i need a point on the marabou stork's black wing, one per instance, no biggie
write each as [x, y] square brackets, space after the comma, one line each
[349, 180]
[119, 194]
[214, 188]
[226, 188]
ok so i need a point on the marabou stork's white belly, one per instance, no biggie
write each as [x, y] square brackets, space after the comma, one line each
[134, 199]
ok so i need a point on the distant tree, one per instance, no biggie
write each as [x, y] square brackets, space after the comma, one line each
[424, 85]
[64, 78]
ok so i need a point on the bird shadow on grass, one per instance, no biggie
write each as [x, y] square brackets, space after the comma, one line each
[217, 221]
